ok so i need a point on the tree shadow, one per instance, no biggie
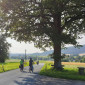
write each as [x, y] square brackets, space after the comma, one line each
[35, 79]
[30, 80]
[24, 72]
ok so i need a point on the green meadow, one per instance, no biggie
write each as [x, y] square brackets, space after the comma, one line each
[10, 65]
[70, 71]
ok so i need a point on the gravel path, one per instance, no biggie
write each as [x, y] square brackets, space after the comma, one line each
[15, 77]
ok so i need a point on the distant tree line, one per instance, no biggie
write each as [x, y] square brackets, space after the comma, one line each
[64, 59]
[33, 57]
[74, 59]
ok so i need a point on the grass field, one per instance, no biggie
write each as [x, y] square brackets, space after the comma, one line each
[11, 64]
[12, 60]
[70, 71]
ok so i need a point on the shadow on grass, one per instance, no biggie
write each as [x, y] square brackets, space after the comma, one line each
[66, 74]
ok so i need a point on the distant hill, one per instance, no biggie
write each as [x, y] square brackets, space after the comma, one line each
[43, 53]
[73, 50]
[70, 50]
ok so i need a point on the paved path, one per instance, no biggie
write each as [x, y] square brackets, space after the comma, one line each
[15, 77]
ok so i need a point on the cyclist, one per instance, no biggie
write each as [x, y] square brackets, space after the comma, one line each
[30, 65]
[37, 62]
[21, 65]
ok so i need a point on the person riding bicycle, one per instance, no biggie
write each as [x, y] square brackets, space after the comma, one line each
[21, 65]
[30, 65]
[37, 62]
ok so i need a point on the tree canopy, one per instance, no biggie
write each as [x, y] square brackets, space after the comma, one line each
[46, 23]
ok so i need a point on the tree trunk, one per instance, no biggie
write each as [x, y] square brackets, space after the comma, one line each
[57, 56]
[57, 41]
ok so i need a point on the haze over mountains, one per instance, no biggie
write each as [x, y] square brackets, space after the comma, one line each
[73, 50]
[70, 50]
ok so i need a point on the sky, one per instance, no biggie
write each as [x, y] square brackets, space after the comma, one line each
[17, 47]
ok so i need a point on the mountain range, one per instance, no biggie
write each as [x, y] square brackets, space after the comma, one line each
[70, 50]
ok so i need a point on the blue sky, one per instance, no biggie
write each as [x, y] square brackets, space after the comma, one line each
[17, 47]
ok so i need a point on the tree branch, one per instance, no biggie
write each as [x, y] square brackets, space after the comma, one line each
[74, 18]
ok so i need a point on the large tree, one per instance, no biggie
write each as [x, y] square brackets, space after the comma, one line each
[48, 23]
[4, 47]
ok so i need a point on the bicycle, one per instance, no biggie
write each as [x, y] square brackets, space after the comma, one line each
[31, 69]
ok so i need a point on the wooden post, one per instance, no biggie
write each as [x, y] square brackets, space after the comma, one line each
[3, 67]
